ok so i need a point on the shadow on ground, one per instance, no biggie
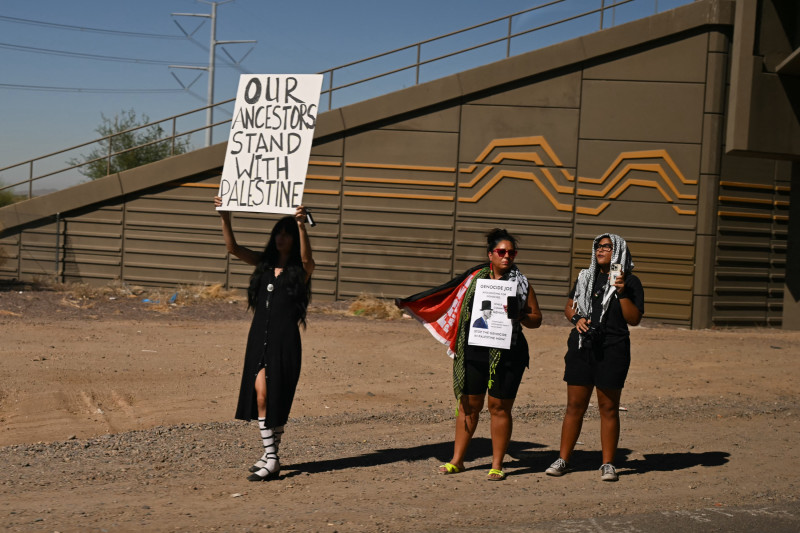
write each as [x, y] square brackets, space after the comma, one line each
[526, 458]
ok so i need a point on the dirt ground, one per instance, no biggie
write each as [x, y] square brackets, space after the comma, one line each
[118, 417]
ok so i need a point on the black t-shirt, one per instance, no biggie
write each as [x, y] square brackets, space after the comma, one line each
[614, 324]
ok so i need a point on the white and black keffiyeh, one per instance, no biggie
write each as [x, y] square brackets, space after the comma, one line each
[582, 301]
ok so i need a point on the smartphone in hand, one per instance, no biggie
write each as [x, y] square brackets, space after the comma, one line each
[614, 273]
[512, 307]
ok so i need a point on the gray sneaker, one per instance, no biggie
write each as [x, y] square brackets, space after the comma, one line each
[608, 472]
[558, 468]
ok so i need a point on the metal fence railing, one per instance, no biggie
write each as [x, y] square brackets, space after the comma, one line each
[544, 24]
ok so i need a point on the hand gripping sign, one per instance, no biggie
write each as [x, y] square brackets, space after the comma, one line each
[270, 142]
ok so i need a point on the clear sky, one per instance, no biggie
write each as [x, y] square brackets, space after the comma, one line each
[66, 63]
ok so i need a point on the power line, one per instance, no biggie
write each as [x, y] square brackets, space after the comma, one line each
[90, 30]
[13, 86]
[50, 51]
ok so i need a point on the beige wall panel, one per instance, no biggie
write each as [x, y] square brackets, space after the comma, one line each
[718, 42]
[40, 236]
[445, 120]
[175, 244]
[598, 157]
[708, 192]
[75, 227]
[679, 314]
[323, 186]
[646, 111]
[390, 270]
[774, 124]
[401, 102]
[87, 272]
[76, 241]
[157, 259]
[385, 147]
[702, 309]
[37, 262]
[681, 61]
[9, 256]
[751, 170]
[712, 143]
[511, 192]
[716, 83]
[704, 263]
[109, 214]
[482, 126]
[153, 217]
[631, 183]
[387, 237]
[644, 219]
[332, 148]
[325, 206]
[559, 91]
[329, 122]
[170, 277]
[407, 259]
[400, 230]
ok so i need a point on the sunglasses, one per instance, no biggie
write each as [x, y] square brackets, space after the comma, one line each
[502, 252]
[606, 247]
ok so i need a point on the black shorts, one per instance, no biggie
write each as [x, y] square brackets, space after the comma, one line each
[604, 368]
[505, 382]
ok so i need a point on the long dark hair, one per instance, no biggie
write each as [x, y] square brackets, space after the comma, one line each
[495, 236]
[293, 275]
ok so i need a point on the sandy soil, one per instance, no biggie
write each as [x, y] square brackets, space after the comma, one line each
[114, 417]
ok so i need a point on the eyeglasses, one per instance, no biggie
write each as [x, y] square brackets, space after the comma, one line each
[502, 252]
[606, 247]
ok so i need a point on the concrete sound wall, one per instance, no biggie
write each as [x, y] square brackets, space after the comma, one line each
[620, 131]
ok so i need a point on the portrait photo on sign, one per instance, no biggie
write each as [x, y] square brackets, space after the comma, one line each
[490, 323]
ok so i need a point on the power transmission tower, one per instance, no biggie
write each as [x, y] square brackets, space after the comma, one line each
[213, 43]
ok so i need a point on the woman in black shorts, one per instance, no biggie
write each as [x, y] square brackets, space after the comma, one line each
[445, 311]
[599, 348]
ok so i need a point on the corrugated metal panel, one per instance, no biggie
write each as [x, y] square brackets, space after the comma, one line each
[322, 195]
[37, 252]
[170, 238]
[92, 242]
[394, 246]
[751, 250]
[9, 256]
[778, 248]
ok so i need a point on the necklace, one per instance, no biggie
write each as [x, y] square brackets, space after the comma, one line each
[270, 288]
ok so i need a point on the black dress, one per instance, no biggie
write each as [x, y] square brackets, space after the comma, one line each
[274, 344]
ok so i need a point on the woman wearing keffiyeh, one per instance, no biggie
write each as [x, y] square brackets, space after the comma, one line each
[601, 305]
[445, 311]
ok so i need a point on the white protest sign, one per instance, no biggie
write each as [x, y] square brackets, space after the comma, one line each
[489, 322]
[270, 142]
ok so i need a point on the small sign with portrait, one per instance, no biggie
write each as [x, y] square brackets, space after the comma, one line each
[489, 322]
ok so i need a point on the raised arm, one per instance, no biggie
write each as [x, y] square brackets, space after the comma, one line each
[630, 312]
[245, 254]
[531, 316]
[305, 244]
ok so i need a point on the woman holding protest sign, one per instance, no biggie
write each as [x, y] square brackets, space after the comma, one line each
[606, 298]
[480, 364]
[279, 293]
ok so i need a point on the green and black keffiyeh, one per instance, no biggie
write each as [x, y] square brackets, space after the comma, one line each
[459, 373]
[445, 311]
